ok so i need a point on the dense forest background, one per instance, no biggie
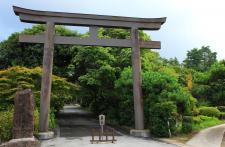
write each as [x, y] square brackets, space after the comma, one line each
[190, 95]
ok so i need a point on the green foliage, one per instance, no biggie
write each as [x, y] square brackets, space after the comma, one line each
[52, 121]
[31, 55]
[216, 82]
[200, 59]
[160, 114]
[187, 124]
[222, 115]
[6, 120]
[209, 111]
[209, 87]
[105, 77]
[158, 88]
[15, 78]
[6, 123]
[93, 68]
[202, 122]
[221, 108]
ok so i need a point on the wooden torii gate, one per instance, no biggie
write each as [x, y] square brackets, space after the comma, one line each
[93, 22]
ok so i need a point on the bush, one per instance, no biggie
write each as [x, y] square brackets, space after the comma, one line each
[209, 111]
[221, 108]
[157, 88]
[202, 122]
[222, 115]
[195, 112]
[187, 124]
[160, 115]
[15, 78]
[6, 120]
[6, 123]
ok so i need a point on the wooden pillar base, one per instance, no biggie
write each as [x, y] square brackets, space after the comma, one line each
[140, 133]
[45, 135]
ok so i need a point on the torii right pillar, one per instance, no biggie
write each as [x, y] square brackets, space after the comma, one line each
[137, 90]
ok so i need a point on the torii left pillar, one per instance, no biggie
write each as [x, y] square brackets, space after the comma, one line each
[46, 82]
[137, 90]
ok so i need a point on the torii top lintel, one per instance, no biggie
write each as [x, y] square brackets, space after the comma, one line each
[91, 21]
[34, 16]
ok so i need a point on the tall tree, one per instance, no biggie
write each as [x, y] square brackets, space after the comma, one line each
[200, 59]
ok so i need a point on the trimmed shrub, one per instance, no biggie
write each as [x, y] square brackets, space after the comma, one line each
[187, 124]
[209, 111]
[160, 115]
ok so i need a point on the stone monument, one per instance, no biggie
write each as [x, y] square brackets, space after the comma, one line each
[23, 121]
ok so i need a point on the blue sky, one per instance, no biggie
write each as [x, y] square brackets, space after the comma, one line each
[190, 23]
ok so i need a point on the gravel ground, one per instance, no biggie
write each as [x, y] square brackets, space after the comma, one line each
[122, 141]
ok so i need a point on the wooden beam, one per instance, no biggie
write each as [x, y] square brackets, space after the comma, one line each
[34, 16]
[137, 91]
[93, 32]
[91, 41]
[46, 82]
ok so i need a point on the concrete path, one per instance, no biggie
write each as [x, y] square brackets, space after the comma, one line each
[122, 141]
[210, 137]
[74, 131]
[223, 141]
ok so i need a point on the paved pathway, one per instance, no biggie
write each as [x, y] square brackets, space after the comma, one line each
[75, 125]
[210, 137]
[122, 141]
[223, 141]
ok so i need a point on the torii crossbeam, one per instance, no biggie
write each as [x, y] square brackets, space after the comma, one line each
[93, 22]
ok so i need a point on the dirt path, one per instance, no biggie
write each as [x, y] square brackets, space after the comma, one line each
[210, 137]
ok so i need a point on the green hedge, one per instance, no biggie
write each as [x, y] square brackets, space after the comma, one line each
[209, 111]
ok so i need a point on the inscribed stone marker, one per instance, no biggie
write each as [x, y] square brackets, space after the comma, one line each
[23, 121]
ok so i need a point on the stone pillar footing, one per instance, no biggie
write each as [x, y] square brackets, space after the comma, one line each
[140, 133]
[45, 135]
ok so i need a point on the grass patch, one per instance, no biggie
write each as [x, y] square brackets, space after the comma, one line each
[201, 122]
